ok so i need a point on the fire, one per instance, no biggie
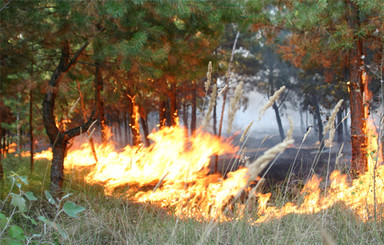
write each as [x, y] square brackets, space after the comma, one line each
[173, 173]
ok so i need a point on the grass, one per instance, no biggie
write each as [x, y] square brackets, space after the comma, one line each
[110, 220]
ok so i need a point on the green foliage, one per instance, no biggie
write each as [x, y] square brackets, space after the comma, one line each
[17, 234]
[49, 197]
[11, 233]
[72, 209]
[18, 201]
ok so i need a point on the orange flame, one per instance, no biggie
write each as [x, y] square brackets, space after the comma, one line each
[173, 173]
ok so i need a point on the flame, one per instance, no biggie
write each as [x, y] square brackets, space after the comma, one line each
[173, 173]
[12, 148]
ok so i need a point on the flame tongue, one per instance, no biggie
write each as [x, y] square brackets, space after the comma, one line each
[173, 173]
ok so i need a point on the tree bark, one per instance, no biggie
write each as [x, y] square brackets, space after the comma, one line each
[59, 139]
[194, 108]
[99, 101]
[18, 132]
[168, 115]
[134, 119]
[57, 169]
[2, 148]
[173, 105]
[162, 112]
[144, 125]
[278, 119]
[85, 119]
[358, 124]
[358, 101]
[31, 129]
[185, 116]
[340, 135]
[316, 106]
[215, 117]
[346, 128]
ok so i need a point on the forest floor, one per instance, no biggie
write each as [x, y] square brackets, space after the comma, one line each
[113, 220]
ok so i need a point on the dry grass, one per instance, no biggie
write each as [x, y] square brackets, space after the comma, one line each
[111, 220]
[212, 101]
[234, 105]
[271, 100]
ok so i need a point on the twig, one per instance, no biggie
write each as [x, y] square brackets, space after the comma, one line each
[6, 5]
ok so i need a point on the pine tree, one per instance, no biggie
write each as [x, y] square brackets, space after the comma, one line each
[337, 37]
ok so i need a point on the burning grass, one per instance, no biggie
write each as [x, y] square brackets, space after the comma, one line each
[165, 194]
[173, 174]
[113, 220]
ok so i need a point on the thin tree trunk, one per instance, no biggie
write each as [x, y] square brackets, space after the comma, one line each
[18, 132]
[120, 133]
[225, 95]
[168, 115]
[185, 117]
[173, 105]
[278, 119]
[99, 101]
[125, 128]
[194, 108]
[1, 151]
[7, 142]
[2, 142]
[346, 128]
[144, 125]
[134, 116]
[31, 128]
[59, 139]
[302, 127]
[215, 117]
[319, 121]
[85, 119]
[162, 116]
[340, 135]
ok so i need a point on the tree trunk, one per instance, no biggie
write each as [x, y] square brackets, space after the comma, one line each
[358, 101]
[215, 117]
[1, 151]
[173, 105]
[18, 132]
[302, 127]
[59, 139]
[85, 119]
[125, 128]
[1, 169]
[185, 117]
[162, 114]
[168, 115]
[99, 101]
[278, 119]
[358, 118]
[319, 121]
[340, 135]
[144, 125]
[31, 128]
[134, 116]
[194, 108]
[57, 169]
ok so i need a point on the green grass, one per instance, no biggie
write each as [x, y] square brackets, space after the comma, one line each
[110, 220]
